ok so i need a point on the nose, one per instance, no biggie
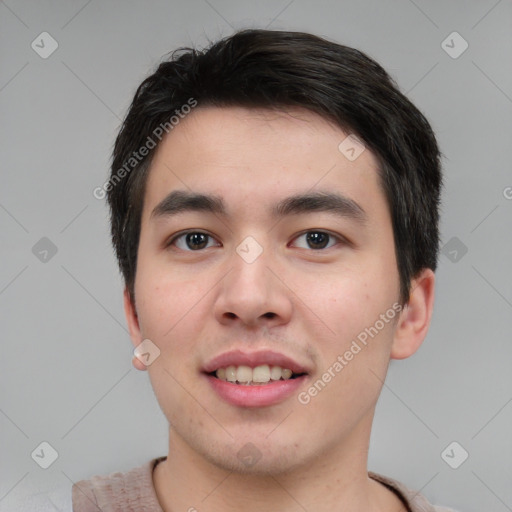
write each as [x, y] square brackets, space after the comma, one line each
[253, 294]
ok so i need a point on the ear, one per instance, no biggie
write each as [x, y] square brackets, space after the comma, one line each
[414, 320]
[133, 326]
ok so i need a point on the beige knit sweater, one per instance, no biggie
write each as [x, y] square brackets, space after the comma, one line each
[133, 491]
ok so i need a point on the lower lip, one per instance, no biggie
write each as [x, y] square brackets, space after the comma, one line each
[261, 395]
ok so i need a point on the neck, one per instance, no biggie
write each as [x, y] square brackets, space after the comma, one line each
[187, 481]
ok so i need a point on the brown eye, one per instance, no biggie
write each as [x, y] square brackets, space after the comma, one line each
[192, 241]
[318, 240]
[196, 240]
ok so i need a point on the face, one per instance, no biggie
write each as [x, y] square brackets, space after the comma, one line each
[255, 279]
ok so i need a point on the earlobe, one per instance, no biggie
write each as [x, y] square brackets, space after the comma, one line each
[414, 320]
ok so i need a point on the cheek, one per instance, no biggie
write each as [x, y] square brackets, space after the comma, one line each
[346, 302]
[164, 301]
[354, 359]
[169, 315]
[171, 320]
[358, 315]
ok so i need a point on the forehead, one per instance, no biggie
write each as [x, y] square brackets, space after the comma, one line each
[255, 156]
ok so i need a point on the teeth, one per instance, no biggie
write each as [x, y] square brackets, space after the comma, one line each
[259, 375]
[230, 373]
[287, 374]
[275, 372]
[244, 374]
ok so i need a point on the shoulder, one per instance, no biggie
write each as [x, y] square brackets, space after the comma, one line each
[415, 501]
[129, 490]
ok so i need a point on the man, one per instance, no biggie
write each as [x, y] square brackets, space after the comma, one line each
[274, 208]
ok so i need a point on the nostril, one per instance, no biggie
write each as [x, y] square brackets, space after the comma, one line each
[269, 315]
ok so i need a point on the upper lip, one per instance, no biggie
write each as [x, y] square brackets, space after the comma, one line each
[253, 359]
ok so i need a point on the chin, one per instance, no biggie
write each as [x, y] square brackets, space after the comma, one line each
[267, 465]
[249, 458]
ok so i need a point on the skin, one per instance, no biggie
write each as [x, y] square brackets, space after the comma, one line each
[196, 304]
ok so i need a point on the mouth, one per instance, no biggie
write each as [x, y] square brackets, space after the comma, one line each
[259, 376]
[257, 379]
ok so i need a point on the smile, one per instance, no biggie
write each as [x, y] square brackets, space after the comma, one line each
[255, 379]
[260, 375]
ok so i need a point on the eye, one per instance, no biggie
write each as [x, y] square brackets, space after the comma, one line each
[318, 240]
[196, 240]
[191, 241]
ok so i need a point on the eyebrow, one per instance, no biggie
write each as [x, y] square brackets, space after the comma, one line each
[179, 201]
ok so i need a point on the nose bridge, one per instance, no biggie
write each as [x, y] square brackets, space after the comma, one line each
[251, 290]
[250, 263]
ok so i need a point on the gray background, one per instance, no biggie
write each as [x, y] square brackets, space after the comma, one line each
[66, 374]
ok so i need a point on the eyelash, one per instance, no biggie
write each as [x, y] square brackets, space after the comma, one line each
[183, 234]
